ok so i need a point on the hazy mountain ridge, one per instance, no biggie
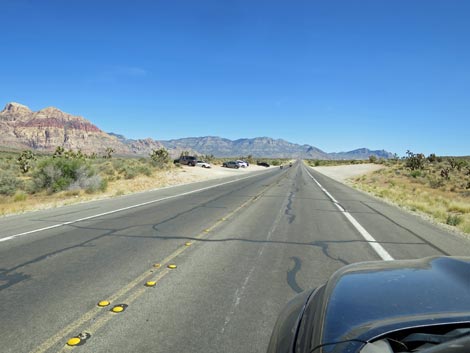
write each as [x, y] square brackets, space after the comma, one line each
[48, 128]
[362, 153]
[265, 147]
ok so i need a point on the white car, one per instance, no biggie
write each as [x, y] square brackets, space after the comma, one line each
[242, 164]
[203, 164]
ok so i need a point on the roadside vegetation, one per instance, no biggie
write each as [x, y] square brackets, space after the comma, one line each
[29, 180]
[436, 186]
[332, 162]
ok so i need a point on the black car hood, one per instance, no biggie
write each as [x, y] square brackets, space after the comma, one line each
[364, 299]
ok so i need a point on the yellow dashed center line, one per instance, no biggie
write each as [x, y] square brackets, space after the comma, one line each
[138, 282]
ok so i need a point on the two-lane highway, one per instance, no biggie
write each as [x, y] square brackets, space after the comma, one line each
[242, 248]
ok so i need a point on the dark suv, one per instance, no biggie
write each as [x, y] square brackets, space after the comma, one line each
[188, 160]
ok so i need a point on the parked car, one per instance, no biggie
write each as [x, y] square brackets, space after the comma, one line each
[241, 163]
[188, 160]
[382, 307]
[263, 164]
[231, 164]
[203, 164]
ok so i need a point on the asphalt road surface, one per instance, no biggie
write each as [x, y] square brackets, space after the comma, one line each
[242, 247]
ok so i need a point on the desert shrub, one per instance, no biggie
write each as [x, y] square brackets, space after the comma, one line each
[88, 181]
[109, 153]
[20, 196]
[453, 220]
[95, 183]
[372, 159]
[9, 184]
[415, 173]
[145, 170]
[160, 158]
[414, 161]
[436, 183]
[106, 168]
[57, 174]
[129, 171]
[432, 158]
[26, 160]
[445, 173]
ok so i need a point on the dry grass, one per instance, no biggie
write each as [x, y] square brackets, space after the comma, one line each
[116, 176]
[447, 201]
[22, 202]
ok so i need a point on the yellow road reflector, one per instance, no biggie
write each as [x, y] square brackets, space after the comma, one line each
[119, 308]
[79, 339]
[74, 341]
[207, 230]
[187, 243]
[172, 266]
[157, 265]
[104, 303]
[151, 283]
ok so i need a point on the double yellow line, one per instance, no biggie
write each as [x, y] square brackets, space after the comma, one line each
[132, 290]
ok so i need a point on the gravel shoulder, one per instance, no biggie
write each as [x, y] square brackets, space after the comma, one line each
[191, 174]
[342, 173]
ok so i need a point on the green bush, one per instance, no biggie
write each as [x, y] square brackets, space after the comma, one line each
[57, 174]
[9, 184]
[160, 158]
[415, 173]
[26, 160]
[129, 171]
[453, 220]
[414, 161]
[145, 170]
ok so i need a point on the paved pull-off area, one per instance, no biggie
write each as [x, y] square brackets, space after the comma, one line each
[240, 248]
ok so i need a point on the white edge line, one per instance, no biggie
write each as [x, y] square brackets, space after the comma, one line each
[10, 237]
[379, 249]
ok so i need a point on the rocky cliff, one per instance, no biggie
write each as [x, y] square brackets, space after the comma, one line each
[49, 128]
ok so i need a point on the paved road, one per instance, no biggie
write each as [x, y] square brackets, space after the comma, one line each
[242, 250]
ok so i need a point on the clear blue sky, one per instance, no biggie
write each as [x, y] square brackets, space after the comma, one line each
[339, 75]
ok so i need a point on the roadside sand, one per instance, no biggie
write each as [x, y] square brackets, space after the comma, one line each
[342, 173]
[188, 174]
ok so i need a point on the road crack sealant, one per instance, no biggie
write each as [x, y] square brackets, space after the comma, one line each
[97, 317]
[241, 290]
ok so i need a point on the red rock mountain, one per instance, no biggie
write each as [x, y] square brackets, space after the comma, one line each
[48, 128]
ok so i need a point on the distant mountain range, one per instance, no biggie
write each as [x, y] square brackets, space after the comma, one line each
[46, 129]
[264, 147]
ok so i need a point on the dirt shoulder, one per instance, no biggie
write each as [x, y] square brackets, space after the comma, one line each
[342, 173]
